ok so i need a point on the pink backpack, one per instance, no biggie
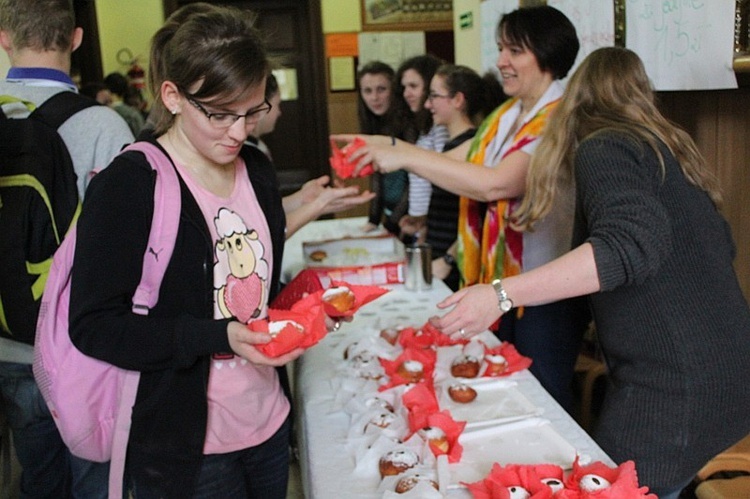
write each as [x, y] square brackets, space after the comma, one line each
[91, 401]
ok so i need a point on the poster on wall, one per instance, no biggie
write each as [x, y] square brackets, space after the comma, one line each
[384, 15]
[684, 45]
[390, 47]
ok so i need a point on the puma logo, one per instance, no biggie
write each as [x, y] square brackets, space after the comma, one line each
[156, 255]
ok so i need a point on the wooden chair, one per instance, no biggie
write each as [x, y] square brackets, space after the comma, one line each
[733, 461]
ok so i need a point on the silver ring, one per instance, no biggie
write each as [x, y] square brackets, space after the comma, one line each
[336, 325]
[462, 332]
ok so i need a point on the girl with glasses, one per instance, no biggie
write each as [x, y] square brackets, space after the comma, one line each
[211, 418]
[459, 100]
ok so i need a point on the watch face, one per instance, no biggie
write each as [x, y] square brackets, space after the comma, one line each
[506, 305]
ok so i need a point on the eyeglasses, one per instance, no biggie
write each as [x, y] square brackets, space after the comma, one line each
[225, 120]
[432, 96]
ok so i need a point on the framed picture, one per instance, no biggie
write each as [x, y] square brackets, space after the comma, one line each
[407, 15]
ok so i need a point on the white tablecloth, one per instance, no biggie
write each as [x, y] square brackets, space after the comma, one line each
[322, 428]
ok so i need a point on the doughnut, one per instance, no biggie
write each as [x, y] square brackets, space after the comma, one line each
[397, 461]
[381, 420]
[465, 366]
[461, 393]
[406, 483]
[318, 255]
[390, 335]
[341, 298]
[411, 370]
[496, 365]
[435, 436]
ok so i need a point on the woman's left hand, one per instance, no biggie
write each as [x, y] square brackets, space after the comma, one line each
[474, 311]
[243, 341]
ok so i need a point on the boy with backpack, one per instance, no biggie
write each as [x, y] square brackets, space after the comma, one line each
[39, 37]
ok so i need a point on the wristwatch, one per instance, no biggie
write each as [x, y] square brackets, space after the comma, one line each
[503, 302]
[448, 258]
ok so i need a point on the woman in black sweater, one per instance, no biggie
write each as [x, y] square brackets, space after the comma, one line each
[655, 255]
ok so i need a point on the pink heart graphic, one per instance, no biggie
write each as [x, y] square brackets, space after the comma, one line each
[242, 296]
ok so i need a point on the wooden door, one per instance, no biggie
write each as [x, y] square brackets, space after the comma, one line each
[293, 33]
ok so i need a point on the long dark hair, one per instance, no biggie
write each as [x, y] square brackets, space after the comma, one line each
[482, 94]
[217, 47]
[369, 122]
[425, 65]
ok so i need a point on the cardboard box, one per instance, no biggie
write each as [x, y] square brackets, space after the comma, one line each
[357, 260]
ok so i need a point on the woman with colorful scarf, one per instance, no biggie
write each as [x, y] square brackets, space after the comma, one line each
[538, 46]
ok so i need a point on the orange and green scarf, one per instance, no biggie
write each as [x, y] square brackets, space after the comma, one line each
[488, 248]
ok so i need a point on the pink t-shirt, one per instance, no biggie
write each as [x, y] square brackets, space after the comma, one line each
[246, 405]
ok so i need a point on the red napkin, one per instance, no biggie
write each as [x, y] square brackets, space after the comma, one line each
[305, 283]
[340, 160]
[426, 357]
[618, 483]
[425, 337]
[362, 296]
[498, 484]
[421, 401]
[290, 337]
[452, 429]
[516, 361]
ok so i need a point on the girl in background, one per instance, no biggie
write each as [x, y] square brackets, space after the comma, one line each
[377, 115]
[459, 100]
[414, 77]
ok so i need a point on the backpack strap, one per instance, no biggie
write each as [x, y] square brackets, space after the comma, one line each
[60, 107]
[164, 225]
[161, 241]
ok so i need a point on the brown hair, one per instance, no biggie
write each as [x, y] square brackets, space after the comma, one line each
[217, 48]
[610, 91]
[38, 25]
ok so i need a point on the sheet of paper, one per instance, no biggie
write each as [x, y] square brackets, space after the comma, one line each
[684, 44]
[594, 21]
[341, 73]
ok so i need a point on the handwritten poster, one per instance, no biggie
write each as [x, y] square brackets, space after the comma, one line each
[594, 21]
[684, 44]
[490, 13]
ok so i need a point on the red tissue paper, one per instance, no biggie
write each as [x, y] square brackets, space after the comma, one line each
[542, 481]
[340, 160]
[599, 481]
[290, 330]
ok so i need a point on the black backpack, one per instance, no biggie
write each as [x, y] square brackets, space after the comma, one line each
[38, 203]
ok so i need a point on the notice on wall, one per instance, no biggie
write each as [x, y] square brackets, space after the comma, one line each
[341, 73]
[684, 44]
[490, 13]
[391, 48]
[594, 21]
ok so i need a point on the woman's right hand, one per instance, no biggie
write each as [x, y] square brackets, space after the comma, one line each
[386, 154]
[243, 342]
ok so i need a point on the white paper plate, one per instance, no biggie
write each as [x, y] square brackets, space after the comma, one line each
[528, 441]
[498, 401]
